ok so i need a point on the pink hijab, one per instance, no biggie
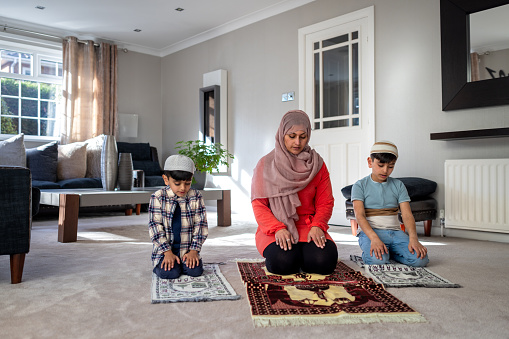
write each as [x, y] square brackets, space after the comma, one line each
[280, 174]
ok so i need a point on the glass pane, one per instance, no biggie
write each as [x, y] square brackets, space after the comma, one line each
[336, 40]
[355, 35]
[335, 123]
[10, 87]
[48, 67]
[317, 85]
[59, 69]
[10, 62]
[335, 82]
[316, 45]
[28, 108]
[49, 91]
[355, 122]
[10, 106]
[48, 128]
[26, 64]
[29, 89]
[317, 125]
[29, 126]
[355, 78]
[9, 125]
[48, 109]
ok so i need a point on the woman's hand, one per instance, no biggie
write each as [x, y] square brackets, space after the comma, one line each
[191, 258]
[169, 260]
[284, 239]
[318, 236]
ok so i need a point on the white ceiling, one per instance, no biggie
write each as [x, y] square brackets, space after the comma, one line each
[163, 29]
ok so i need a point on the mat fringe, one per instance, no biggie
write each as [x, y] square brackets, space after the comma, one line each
[261, 321]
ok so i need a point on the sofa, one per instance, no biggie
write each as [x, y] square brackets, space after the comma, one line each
[75, 165]
[18, 203]
[423, 205]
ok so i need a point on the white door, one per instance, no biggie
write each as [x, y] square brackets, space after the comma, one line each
[336, 87]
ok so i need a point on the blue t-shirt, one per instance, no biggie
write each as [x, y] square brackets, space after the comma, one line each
[387, 194]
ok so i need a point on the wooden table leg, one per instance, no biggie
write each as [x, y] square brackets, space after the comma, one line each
[224, 209]
[68, 217]
[138, 209]
[427, 228]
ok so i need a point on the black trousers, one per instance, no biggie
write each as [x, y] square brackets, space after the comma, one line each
[303, 256]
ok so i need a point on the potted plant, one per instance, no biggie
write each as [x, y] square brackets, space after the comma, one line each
[207, 158]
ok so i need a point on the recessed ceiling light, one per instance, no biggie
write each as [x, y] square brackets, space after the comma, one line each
[40, 7]
[137, 30]
[179, 9]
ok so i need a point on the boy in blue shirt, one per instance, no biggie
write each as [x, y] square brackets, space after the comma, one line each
[376, 201]
[177, 222]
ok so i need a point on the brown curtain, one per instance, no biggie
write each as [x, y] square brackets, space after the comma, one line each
[90, 90]
[474, 67]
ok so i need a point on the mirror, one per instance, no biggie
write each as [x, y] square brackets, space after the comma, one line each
[489, 44]
[457, 91]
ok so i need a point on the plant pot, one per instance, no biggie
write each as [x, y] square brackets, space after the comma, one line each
[200, 179]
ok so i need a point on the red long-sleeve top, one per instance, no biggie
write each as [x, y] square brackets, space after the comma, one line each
[316, 206]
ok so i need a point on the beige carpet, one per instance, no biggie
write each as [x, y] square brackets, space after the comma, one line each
[99, 287]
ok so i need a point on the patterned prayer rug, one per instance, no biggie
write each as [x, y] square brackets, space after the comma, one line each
[399, 275]
[343, 297]
[211, 285]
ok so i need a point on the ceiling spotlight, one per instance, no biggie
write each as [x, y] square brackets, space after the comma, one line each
[137, 30]
[179, 9]
[40, 7]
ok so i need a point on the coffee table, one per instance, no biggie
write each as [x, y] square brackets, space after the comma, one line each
[70, 201]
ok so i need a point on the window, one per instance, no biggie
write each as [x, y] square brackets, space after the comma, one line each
[336, 81]
[30, 92]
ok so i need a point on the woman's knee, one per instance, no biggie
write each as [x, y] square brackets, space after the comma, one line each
[320, 260]
[278, 261]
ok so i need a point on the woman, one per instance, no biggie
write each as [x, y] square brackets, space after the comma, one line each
[292, 200]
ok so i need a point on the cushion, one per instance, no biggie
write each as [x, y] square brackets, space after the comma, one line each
[42, 161]
[148, 167]
[417, 188]
[94, 150]
[72, 161]
[81, 183]
[155, 180]
[45, 184]
[139, 151]
[12, 151]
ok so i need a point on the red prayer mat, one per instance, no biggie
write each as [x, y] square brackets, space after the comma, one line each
[344, 297]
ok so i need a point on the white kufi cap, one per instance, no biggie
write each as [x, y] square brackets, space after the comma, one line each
[179, 162]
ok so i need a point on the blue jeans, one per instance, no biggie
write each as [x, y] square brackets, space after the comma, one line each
[397, 245]
[177, 270]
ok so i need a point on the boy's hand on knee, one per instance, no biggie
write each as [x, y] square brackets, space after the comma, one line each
[169, 260]
[417, 247]
[191, 258]
[378, 248]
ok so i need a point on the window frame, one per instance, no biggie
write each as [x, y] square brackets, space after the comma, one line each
[40, 50]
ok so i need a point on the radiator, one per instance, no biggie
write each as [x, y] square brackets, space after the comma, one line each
[477, 194]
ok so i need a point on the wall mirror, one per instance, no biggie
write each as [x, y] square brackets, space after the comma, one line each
[458, 92]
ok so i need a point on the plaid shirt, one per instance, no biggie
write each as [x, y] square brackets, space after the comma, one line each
[194, 222]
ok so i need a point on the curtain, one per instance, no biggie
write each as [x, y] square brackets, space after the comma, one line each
[474, 67]
[90, 90]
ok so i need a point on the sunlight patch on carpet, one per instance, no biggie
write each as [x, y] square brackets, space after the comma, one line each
[103, 236]
[246, 239]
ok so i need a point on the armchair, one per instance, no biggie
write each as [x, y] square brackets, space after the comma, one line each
[15, 217]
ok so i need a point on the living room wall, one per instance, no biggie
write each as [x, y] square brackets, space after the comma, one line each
[262, 63]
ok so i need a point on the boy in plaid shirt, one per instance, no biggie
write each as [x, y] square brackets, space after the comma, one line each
[177, 222]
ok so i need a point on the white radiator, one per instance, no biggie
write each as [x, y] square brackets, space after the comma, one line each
[477, 194]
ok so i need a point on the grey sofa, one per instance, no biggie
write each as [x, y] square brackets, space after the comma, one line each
[18, 202]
